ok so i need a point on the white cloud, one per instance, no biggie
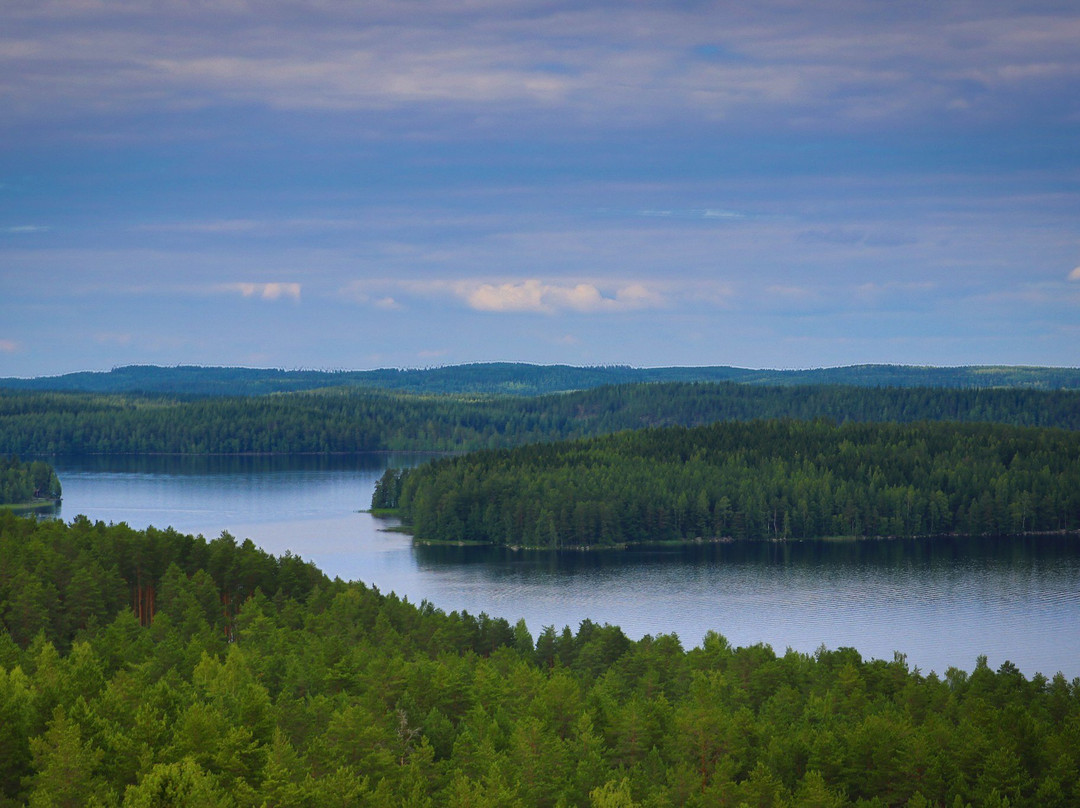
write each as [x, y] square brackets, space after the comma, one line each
[535, 296]
[266, 291]
[1075, 274]
[532, 295]
[26, 228]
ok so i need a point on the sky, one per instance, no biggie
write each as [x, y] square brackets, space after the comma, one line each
[337, 184]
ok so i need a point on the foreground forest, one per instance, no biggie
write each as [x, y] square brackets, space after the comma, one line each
[748, 480]
[348, 420]
[149, 668]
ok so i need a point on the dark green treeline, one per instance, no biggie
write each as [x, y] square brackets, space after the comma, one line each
[22, 483]
[748, 480]
[253, 681]
[353, 421]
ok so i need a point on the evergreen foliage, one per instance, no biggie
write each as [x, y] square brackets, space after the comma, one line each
[520, 379]
[23, 483]
[345, 420]
[255, 681]
[748, 480]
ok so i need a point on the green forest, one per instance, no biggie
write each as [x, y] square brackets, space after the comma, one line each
[349, 420]
[150, 668]
[521, 379]
[774, 479]
[27, 483]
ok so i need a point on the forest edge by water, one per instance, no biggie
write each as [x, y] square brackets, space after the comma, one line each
[757, 480]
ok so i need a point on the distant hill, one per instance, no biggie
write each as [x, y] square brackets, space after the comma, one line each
[509, 378]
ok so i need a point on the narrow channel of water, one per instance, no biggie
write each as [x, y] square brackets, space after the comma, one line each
[941, 602]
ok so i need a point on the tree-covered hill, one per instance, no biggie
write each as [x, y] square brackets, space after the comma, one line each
[148, 668]
[748, 480]
[509, 378]
[349, 420]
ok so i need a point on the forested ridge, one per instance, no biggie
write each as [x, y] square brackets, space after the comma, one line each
[517, 378]
[149, 668]
[748, 480]
[343, 420]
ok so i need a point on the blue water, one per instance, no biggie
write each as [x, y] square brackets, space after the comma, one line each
[940, 602]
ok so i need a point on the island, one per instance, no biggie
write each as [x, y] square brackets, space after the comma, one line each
[756, 480]
[28, 487]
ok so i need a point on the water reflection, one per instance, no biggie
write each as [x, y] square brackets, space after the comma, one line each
[943, 602]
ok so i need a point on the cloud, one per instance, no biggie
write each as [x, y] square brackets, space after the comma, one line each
[8, 346]
[535, 296]
[532, 295]
[25, 228]
[112, 338]
[828, 65]
[1075, 274]
[877, 291]
[266, 291]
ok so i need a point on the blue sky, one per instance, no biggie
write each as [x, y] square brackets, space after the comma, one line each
[336, 184]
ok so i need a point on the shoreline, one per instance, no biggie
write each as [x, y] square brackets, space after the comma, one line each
[34, 506]
[700, 540]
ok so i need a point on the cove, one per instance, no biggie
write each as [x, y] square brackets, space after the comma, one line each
[941, 602]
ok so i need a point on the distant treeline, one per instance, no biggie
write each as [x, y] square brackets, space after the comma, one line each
[749, 480]
[519, 379]
[147, 668]
[345, 420]
[22, 483]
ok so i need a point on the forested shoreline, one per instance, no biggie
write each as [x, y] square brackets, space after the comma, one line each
[344, 421]
[27, 483]
[747, 480]
[141, 668]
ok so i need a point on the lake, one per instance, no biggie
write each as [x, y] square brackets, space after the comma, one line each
[942, 602]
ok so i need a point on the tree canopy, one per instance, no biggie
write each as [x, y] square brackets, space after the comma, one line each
[748, 480]
[349, 420]
[249, 680]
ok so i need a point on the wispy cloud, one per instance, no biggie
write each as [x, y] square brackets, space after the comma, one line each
[832, 65]
[266, 291]
[8, 346]
[529, 295]
[551, 296]
[112, 338]
[1075, 274]
[25, 228]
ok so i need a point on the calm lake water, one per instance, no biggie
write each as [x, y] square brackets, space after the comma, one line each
[942, 602]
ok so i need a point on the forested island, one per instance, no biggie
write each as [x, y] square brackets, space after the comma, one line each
[346, 420]
[149, 668]
[754, 480]
[26, 486]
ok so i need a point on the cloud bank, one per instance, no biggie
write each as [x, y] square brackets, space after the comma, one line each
[830, 65]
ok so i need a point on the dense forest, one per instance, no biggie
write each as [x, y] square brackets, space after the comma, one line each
[344, 420]
[23, 483]
[515, 378]
[748, 480]
[149, 668]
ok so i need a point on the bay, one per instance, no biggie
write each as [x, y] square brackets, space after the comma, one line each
[940, 602]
